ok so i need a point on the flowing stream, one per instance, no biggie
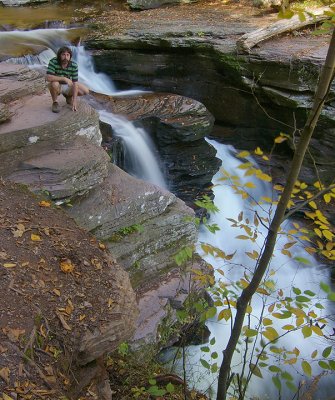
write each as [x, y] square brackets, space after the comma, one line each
[142, 162]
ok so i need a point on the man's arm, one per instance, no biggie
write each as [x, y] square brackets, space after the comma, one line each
[60, 79]
[75, 95]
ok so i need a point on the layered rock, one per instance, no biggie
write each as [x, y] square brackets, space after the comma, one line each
[178, 126]
[148, 4]
[255, 95]
[60, 156]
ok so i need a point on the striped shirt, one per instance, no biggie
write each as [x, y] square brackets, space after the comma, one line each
[71, 72]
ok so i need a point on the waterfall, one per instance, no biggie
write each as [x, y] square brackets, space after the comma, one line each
[289, 273]
[139, 157]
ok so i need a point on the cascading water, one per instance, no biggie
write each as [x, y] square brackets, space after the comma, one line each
[140, 160]
[288, 272]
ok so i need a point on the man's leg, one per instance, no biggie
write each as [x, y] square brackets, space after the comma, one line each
[82, 90]
[54, 88]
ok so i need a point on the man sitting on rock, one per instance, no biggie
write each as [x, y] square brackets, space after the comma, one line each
[62, 75]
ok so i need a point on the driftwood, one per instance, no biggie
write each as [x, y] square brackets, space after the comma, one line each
[249, 40]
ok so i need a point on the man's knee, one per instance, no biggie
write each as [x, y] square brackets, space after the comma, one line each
[54, 86]
[82, 90]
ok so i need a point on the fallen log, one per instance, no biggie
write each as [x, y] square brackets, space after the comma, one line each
[249, 40]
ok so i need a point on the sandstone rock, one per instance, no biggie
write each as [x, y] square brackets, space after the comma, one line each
[144, 225]
[5, 114]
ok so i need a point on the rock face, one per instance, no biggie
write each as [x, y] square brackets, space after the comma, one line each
[254, 95]
[178, 126]
[60, 155]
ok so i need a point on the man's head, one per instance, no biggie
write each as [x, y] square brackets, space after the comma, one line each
[64, 55]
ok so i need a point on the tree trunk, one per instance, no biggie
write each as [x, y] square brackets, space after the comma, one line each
[249, 40]
[323, 87]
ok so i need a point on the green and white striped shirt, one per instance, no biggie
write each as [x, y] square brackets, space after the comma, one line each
[71, 72]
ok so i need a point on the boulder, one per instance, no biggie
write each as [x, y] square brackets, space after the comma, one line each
[16, 3]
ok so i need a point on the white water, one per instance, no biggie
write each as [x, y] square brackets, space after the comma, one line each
[288, 274]
[139, 149]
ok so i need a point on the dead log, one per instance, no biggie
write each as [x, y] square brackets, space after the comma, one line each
[249, 40]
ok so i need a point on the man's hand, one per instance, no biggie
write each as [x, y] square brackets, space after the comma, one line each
[67, 81]
[74, 105]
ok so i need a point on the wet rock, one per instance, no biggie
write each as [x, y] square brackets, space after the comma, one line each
[178, 125]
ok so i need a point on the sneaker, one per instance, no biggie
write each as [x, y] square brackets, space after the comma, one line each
[55, 107]
[68, 99]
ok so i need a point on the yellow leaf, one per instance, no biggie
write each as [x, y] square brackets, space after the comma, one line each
[306, 331]
[328, 235]
[318, 232]
[66, 266]
[35, 238]
[327, 197]
[242, 237]
[9, 265]
[317, 330]
[270, 333]
[44, 203]
[267, 321]
[299, 321]
[266, 158]
[244, 283]
[280, 139]
[313, 204]
[250, 185]
[288, 327]
[19, 231]
[262, 291]
[291, 361]
[258, 151]
[102, 246]
[249, 309]
[224, 314]
[243, 154]
[267, 199]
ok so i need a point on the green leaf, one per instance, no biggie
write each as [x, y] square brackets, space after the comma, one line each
[212, 341]
[169, 387]
[306, 331]
[306, 367]
[285, 375]
[331, 296]
[296, 290]
[214, 355]
[309, 293]
[211, 312]
[214, 368]
[324, 287]
[302, 299]
[254, 369]
[270, 333]
[276, 381]
[224, 314]
[204, 363]
[274, 368]
[326, 352]
[250, 332]
[332, 364]
[205, 349]
[323, 364]
[291, 386]
[319, 306]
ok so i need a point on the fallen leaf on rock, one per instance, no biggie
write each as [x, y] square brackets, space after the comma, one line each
[102, 246]
[96, 263]
[66, 266]
[63, 322]
[35, 238]
[24, 264]
[4, 374]
[6, 397]
[57, 292]
[19, 231]
[13, 334]
[69, 307]
[9, 265]
[3, 255]
[44, 203]
[2, 349]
